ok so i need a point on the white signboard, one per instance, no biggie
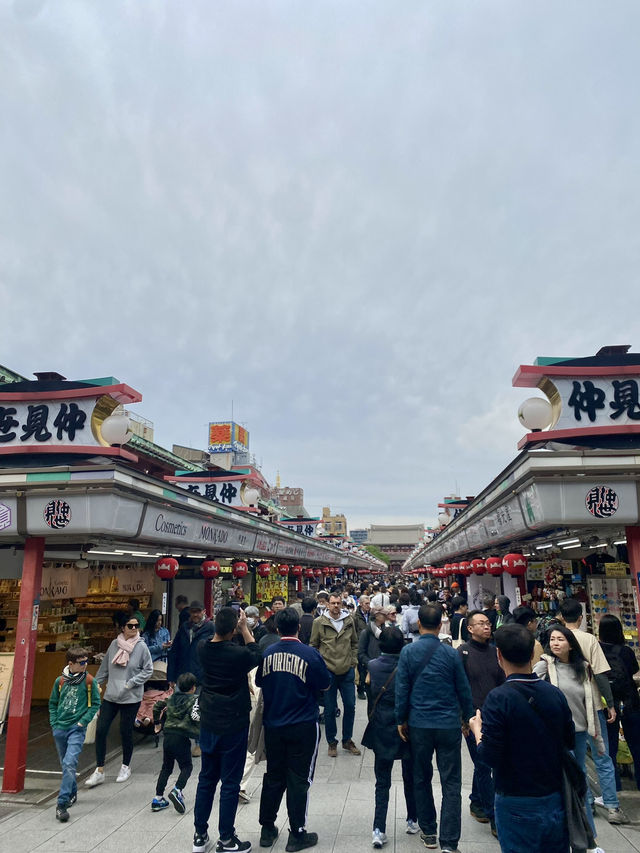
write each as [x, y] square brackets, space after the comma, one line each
[598, 401]
[187, 530]
[223, 492]
[47, 422]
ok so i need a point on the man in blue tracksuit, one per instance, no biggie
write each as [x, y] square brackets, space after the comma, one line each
[291, 675]
[431, 692]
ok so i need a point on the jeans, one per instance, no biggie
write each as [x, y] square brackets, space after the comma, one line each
[612, 739]
[108, 712]
[531, 824]
[346, 685]
[69, 744]
[482, 788]
[604, 767]
[446, 743]
[580, 752]
[222, 758]
[382, 768]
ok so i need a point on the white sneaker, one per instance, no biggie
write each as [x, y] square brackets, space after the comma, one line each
[378, 839]
[598, 801]
[124, 773]
[412, 827]
[96, 778]
[596, 850]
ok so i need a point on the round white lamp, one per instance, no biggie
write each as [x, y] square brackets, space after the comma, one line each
[115, 429]
[535, 413]
[251, 496]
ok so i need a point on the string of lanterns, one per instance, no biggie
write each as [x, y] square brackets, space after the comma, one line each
[514, 564]
[167, 568]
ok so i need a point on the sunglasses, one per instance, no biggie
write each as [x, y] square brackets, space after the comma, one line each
[83, 662]
[132, 625]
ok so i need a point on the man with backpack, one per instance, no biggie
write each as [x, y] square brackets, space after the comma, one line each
[74, 702]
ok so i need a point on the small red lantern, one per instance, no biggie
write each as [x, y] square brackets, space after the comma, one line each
[317, 573]
[167, 568]
[453, 569]
[296, 571]
[308, 572]
[464, 568]
[210, 569]
[264, 570]
[478, 567]
[445, 570]
[515, 564]
[283, 570]
[494, 566]
[239, 569]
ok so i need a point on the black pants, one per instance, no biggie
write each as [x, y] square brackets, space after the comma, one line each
[382, 768]
[175, 747]
[291, 759]
[362, 676]
[108, 712]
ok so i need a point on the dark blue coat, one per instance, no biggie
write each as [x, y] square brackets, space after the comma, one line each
[183, 654]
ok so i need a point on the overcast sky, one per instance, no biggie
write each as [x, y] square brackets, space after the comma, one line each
[353, 219]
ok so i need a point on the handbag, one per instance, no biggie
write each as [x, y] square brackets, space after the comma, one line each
[90, 736]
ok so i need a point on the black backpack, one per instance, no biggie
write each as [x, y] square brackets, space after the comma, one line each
[618, 675]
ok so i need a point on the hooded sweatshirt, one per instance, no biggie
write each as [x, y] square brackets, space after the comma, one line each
[337, 641]
[126, 683]
[69, 702]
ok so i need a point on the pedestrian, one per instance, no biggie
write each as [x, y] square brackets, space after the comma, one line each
[362, 614]
[431, 693]
[571, 614]
[183, 655]
[459, 632]
[126, 666]
[624, 665]
[225, 705]
[409, 622]
[504, 614]
[489, 609]
[291, 675]
[529, 806]
[133, 606]
[369, 640]
[334, 635]
[181, 723]
[481, 666]
[74, 702]
[181, 604]
[157, 637]
[381, 598]
[381, 736]
[254, 623]
[306, 622]
[526, 616]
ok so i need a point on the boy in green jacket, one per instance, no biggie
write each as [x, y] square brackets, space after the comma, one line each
[74, 702]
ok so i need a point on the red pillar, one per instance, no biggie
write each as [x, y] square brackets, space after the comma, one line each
[633, 548]
[15, 761]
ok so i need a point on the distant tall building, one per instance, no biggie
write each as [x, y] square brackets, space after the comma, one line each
[334, 525]
[359, 536]
[396, 541]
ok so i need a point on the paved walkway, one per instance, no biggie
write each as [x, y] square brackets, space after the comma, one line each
[118, 819]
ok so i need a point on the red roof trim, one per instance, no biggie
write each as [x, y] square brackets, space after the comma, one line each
[122, 393]
[555, 434]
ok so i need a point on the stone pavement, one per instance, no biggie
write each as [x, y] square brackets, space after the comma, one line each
[118, 819]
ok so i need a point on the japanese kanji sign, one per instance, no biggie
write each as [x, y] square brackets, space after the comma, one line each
[602, 501]
[227, 436]
[223, 492]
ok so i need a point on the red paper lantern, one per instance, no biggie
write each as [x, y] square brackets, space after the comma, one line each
[515, 564]
[296, 571]
[308, 573]
[264, 570]
[283, 570]
[167, 568]
[494, 566]
[453, 569]
[478, 567]
[239, 569]
[464, 568]
[210, 569]
[317, 573]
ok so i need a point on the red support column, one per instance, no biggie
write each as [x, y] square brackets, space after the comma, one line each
[633, 548]
[15, 760]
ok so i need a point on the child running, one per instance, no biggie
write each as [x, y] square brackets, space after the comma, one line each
[182, 722]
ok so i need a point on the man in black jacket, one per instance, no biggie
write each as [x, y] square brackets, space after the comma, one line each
[481, 665]
[225, 705]
[183, 654]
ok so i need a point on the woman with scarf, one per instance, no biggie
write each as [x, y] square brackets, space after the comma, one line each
[125, 667]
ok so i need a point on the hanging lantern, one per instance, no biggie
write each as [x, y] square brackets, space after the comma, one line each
[478, 567]
[453, 569]
[167, 568]
[515, 564]
[210, 569]
[494, 566]
[283, 570]
[445, 570]
[317, 573]
[464, 568]
[264, 570]
[239, 569]
[308, 572]
[296, 571]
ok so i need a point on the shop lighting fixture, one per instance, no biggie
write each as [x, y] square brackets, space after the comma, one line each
[133, 553]
[570, 547]
[620, 542]
[599, 545]
[569, 542]
[542, 547]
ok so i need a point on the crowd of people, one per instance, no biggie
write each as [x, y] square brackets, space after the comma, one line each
[240, 688]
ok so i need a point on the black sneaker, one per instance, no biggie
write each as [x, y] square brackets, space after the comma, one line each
[268, 835]
[301, 841]
[430, 841]
[233, 845]
[201, 843]
[478, 813]
[73, 799]
[62, 814]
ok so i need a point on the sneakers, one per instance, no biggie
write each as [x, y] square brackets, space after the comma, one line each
[159, 803]
[62, 814]
[201, 842]
[124, 773]
[449, 850]
[617, 816]
[362, 695]
[412, 827]
[243, 796]
[73, 799]
[478, 813]
[351, 747]
[96, 778]
[598, 801]
[332, 752]
[430, 841]
[378, 839]
[177, 800]
[268, 835]
[301, 841]
[233, 845]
